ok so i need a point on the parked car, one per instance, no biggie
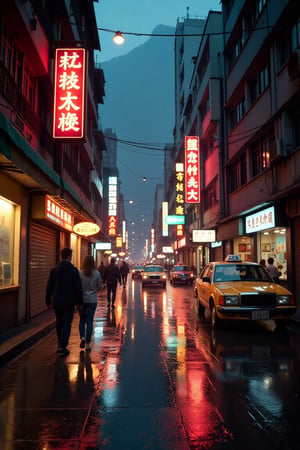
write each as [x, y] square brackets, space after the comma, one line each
[234, 289]
[181, 274]
[136, 272]
[154, 274]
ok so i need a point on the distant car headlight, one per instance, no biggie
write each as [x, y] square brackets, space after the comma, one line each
[164, 277]
[285, 300]
[229, 300]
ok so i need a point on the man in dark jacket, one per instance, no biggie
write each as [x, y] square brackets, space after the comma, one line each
[110, 278]
[64, 292]
[124, 271]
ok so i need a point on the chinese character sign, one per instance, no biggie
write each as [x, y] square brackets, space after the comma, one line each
[179, 189]
[112, 205]
[57, 214]
[69, 93]
[192, 170]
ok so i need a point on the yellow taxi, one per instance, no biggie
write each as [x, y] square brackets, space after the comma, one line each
[233, 289]
[154, 275]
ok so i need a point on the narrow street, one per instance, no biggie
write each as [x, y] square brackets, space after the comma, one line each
[157, 378]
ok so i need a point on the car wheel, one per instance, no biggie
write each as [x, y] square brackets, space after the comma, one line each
[201, 308]
[214, 319]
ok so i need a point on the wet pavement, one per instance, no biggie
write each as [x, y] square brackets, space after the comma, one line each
[157, 377]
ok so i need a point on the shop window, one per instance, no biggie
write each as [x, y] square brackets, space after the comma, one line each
[9, 224]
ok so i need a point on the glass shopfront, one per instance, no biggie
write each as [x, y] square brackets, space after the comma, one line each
[273, 245]
[9, 242]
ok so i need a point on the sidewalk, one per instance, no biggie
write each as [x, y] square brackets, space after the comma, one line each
[21, 338]
[17, 340]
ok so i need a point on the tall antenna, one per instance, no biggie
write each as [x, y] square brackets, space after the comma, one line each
[187, 12]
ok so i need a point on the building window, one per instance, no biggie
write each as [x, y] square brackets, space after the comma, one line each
[259, 83]
[261, 155]
[18, 67]
[236, 113]
[210, 195]
[9, 242]
[237, 174]
[288, 43]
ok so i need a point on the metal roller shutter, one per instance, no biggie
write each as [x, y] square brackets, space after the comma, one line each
[42, 257]
[296, 264]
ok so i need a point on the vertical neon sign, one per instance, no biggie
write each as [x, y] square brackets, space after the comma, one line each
[192, 170]
[69, 93]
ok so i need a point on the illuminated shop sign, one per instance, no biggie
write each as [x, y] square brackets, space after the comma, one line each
[179, 188]
[192, 170]
[86, 228]
[167, 250]
[164, 211]
[182, 242]
[179, 230]
[69, 93]
[112, 205]
[152, 239]
[57, 214]
[175, 220]
[203, 235]
[103, 245]
[119, 242]
[261, 220]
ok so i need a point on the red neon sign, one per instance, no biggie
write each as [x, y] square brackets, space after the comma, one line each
[69, 93]
[112, 225]
[192, 170]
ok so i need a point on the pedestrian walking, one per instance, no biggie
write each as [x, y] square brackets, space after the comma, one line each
[101, 270]
[272, 270]
[124, 271]
[64, 292]
[91, 284]
[111, 277]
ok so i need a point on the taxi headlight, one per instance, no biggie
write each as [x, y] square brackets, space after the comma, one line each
[164, 277]
[284, 300]
[231, 300]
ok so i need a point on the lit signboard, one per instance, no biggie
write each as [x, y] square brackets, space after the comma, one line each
[112, 205]
[164, 211]
[192, 170]
[179, 230]
[152, 240]
[260, 220]
[203, 235]
[103, 245]
[175, 220]
[57, 214]
[167, 250]
[69, 93]
[179, 189]
[182, 242]
[86, 228]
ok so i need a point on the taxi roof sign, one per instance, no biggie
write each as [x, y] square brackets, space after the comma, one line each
[233, 258]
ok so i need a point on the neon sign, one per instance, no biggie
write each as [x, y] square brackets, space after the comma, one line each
[69, 93]
[192, 170]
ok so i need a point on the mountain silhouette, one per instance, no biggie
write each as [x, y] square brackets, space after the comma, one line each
[139, 103]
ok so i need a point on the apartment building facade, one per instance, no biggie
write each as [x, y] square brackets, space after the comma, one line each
[243, 103]
[47, 184]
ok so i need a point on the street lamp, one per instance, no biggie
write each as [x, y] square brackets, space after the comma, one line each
[118, 38]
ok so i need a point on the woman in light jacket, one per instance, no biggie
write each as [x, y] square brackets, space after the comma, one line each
[91, 284]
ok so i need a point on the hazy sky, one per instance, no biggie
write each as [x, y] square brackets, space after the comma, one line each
[142, 16]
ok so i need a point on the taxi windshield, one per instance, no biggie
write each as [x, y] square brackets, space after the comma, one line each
[240, 272]
[154, 269]
[180, 268]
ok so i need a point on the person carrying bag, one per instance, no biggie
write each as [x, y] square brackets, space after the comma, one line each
[91, 285]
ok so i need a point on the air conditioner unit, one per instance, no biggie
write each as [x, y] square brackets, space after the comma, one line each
[275, 150]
